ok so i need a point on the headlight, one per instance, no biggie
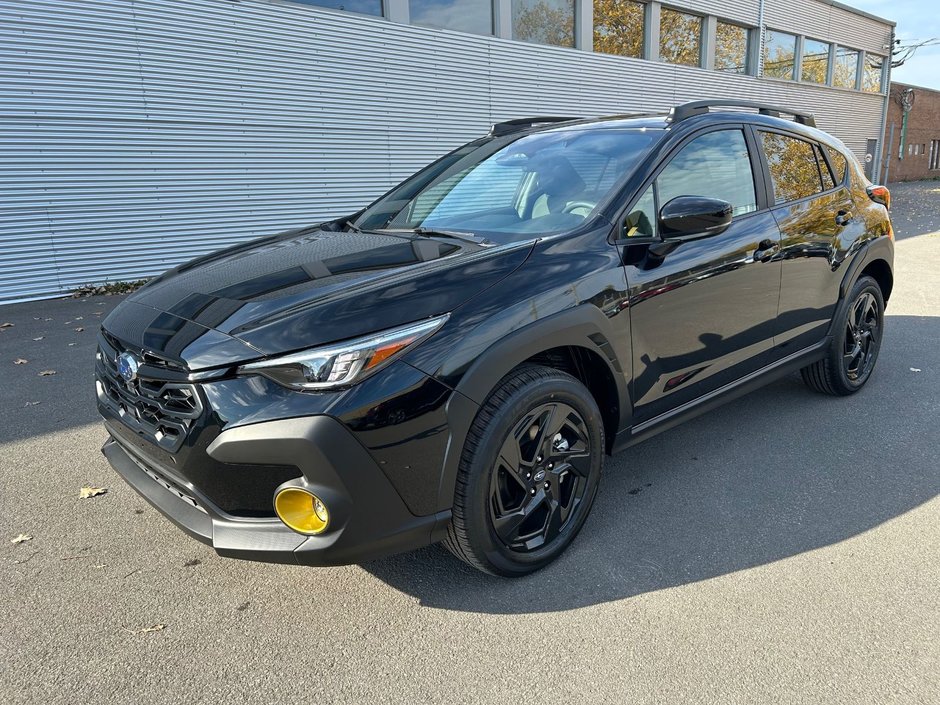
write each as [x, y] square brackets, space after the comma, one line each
[343, 363]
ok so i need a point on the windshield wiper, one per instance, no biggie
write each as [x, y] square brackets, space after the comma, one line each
[456, 234]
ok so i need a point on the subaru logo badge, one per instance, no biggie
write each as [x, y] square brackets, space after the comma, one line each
[127, 366]
[539, 476]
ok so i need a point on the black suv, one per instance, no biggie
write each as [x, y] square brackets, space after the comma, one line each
[454, 361]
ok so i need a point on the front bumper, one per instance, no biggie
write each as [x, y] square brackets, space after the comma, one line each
[369, 519]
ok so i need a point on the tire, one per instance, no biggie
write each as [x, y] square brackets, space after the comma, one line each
[531, 463]
[856, 341]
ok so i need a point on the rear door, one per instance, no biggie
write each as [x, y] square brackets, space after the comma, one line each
[816, 215]
[703, 312]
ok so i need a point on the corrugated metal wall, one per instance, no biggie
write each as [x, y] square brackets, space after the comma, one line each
[137, 135]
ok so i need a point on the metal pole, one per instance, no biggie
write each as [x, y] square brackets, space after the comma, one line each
[887, 151]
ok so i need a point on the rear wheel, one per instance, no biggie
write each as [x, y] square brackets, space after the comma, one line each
[855, 344]
[528, 474]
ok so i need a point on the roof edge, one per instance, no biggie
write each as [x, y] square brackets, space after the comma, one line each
[856, 11]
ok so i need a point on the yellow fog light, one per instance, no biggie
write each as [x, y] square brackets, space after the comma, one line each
[302, 511]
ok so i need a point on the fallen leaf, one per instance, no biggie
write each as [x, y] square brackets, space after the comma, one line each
[47, 373]
[87, 492]
[22, 538]
[39, 338]
[6, 325]
[148, 630]
[915, 369]
[79, 329]
[20, 361]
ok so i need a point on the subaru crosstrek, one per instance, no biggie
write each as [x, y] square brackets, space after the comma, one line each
[453, 362]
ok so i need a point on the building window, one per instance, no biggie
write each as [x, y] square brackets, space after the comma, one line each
[474, 16]
[874, 73]
[363, 7]
[934, 155]
[544, 21]
[680, 38]
[779, 54]
[815, 61]
[845, 73]
[619, 26]
[731, 48]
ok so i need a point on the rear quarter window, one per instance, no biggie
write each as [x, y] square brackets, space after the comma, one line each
[837, 160]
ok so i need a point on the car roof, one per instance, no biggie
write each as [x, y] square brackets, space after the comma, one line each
[662, 121]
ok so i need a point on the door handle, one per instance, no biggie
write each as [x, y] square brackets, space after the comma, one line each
[843, 218]
[766, 249]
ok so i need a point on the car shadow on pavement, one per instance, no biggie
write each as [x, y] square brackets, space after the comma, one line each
[772, 475]
[52, 388]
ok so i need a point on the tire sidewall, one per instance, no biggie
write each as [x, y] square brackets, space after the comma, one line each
[558, 388]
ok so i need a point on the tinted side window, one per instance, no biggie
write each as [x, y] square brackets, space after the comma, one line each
[715, 165]
[837, 159]
[828, 183]
[792, 165]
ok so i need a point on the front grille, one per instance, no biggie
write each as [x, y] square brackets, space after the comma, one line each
[157, 404]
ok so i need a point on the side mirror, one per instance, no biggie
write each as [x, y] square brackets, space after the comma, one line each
[693, 217]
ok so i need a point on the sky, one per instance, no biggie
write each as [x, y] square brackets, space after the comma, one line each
[917, 20]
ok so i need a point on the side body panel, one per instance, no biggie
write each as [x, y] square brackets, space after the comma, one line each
[702, 316]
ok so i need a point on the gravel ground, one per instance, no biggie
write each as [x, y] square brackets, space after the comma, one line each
[784, 548]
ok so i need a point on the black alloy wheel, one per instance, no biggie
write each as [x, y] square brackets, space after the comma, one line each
[856, 339]
[528, 474]
[862, 337]
[540, 477]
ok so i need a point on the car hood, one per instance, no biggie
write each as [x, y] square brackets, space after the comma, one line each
[302, 289]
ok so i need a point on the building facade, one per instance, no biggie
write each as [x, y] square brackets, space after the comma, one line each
[137, 134]
[912, 134]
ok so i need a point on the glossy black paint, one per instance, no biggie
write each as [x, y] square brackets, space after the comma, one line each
[656, 330]
[687, 217]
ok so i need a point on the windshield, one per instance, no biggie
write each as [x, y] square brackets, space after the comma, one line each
[539, 184]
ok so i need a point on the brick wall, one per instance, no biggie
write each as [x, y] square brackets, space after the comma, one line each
[923, 135]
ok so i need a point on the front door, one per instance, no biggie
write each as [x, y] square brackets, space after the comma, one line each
[703, 312]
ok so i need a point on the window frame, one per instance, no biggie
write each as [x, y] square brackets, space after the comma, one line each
[882, 73]
[383, 8]
[818, 147]
[748, 41]
[827, 79]
[857, 86]
[760, 186]
[702, 31]
[575, 28]
[494, 9]
[645, 34]
[797, 56]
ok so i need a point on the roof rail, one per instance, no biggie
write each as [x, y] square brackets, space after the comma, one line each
[700, 107]
[510, 126]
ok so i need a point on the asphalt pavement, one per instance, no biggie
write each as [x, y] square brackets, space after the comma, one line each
[784, 548]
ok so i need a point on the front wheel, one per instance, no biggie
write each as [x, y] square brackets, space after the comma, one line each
[528, 474]
[856, 341]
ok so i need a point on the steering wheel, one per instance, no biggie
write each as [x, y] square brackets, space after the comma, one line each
[582, 208]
